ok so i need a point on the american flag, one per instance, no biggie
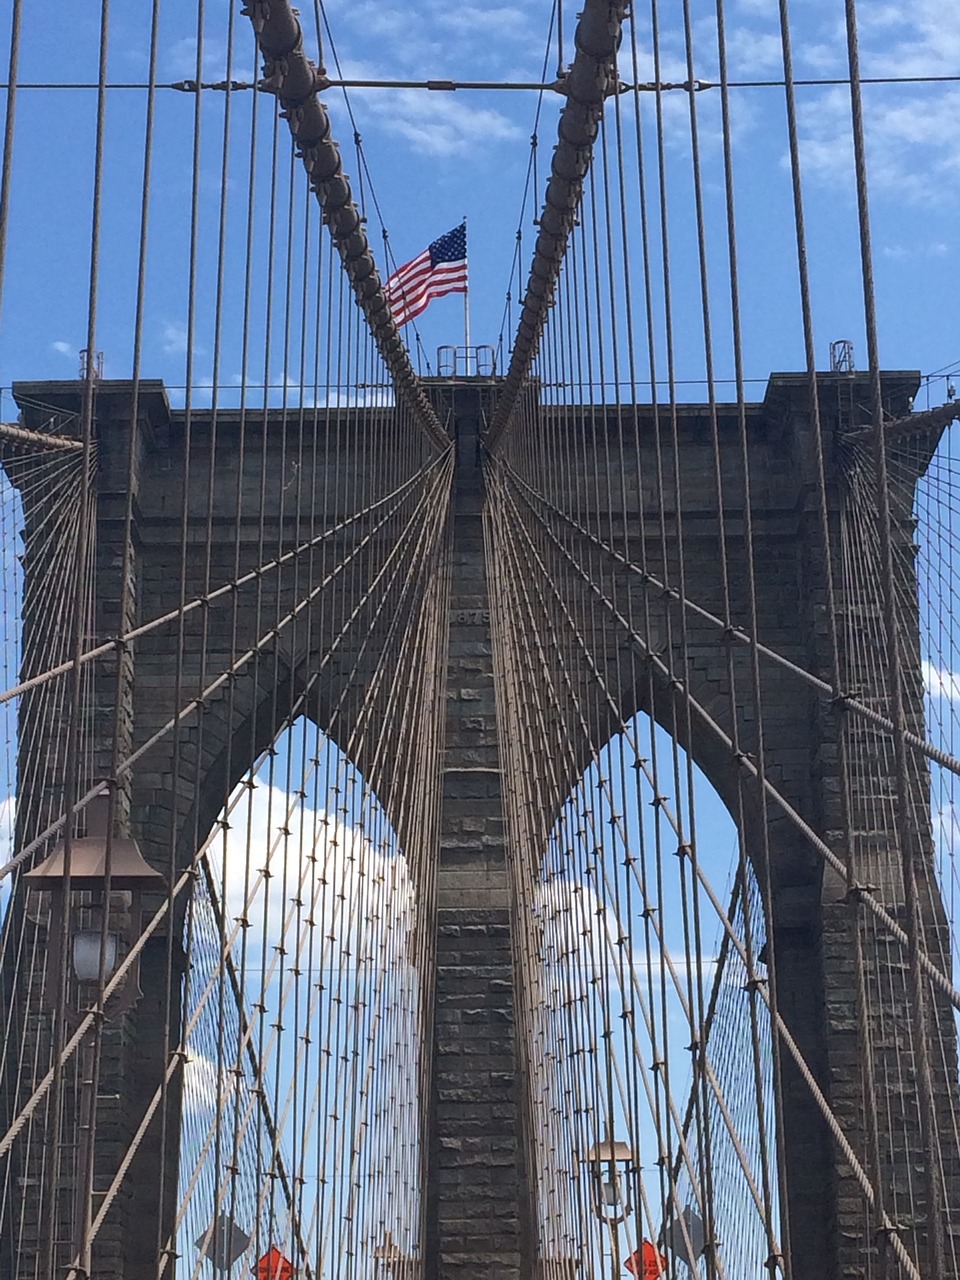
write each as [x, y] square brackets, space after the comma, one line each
[440, 269]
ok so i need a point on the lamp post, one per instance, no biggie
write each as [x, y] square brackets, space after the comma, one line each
[610, 1198]
[95, 883]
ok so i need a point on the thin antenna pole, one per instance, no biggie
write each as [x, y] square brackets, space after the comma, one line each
[466, 307]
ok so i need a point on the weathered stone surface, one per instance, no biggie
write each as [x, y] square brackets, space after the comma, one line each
[481, 1194]
[477, 1190]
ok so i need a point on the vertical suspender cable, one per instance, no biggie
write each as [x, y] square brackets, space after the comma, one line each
[591, 79]
[6, 165]
[295, 80]
[906, 835]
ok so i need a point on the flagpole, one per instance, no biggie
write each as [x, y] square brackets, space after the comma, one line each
[466, 307]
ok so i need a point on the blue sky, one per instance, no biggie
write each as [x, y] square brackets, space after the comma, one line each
[436, 157]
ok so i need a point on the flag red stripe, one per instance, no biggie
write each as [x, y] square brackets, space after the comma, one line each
[410, 279]
[410, 288]
[412, 293]
[417, 266]
[408, 312]
[434, 289]
[412, 305]
[413, 286]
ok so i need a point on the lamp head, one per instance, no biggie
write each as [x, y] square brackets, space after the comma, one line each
[605, 1159]
[91, 858]
[610, 1152]
[88, 860]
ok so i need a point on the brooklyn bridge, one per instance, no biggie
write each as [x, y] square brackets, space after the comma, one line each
[487, 812]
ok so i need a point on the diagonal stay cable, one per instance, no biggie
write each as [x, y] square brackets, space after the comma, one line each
[290, 74]
[406, 581]
[863, 893]
[736, 634]
[822, 1104]
[535, 568]
[226, 591]
[590, 80]
[225, 677]
[149, 929]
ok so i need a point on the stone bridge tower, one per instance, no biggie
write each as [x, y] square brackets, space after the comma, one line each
[481, 1185]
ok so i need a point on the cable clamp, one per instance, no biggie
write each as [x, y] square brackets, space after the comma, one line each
[274, 74]
[857, 891]
[663, 86]
[887, 1228]
[224, 86]
[613, 85]
[257, 11]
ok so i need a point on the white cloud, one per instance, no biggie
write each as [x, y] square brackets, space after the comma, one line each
[64, 349]
[446, 128]
[356, 904]
[581, 938]
[8, 813]
[912, 132]
[946, 824]
[753, 52]
[438, 124]
[203, 1085]
[434, 40]
[759, 8]
[824, 58]
[478, 23]
[359, 897]
[173, 338]
[920, 39]
[940, 682]
[181, 60]
[377, 397]
[921, 249]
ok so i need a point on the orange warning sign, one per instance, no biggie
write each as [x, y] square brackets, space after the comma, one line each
[274, 1266]
[647, 1262]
